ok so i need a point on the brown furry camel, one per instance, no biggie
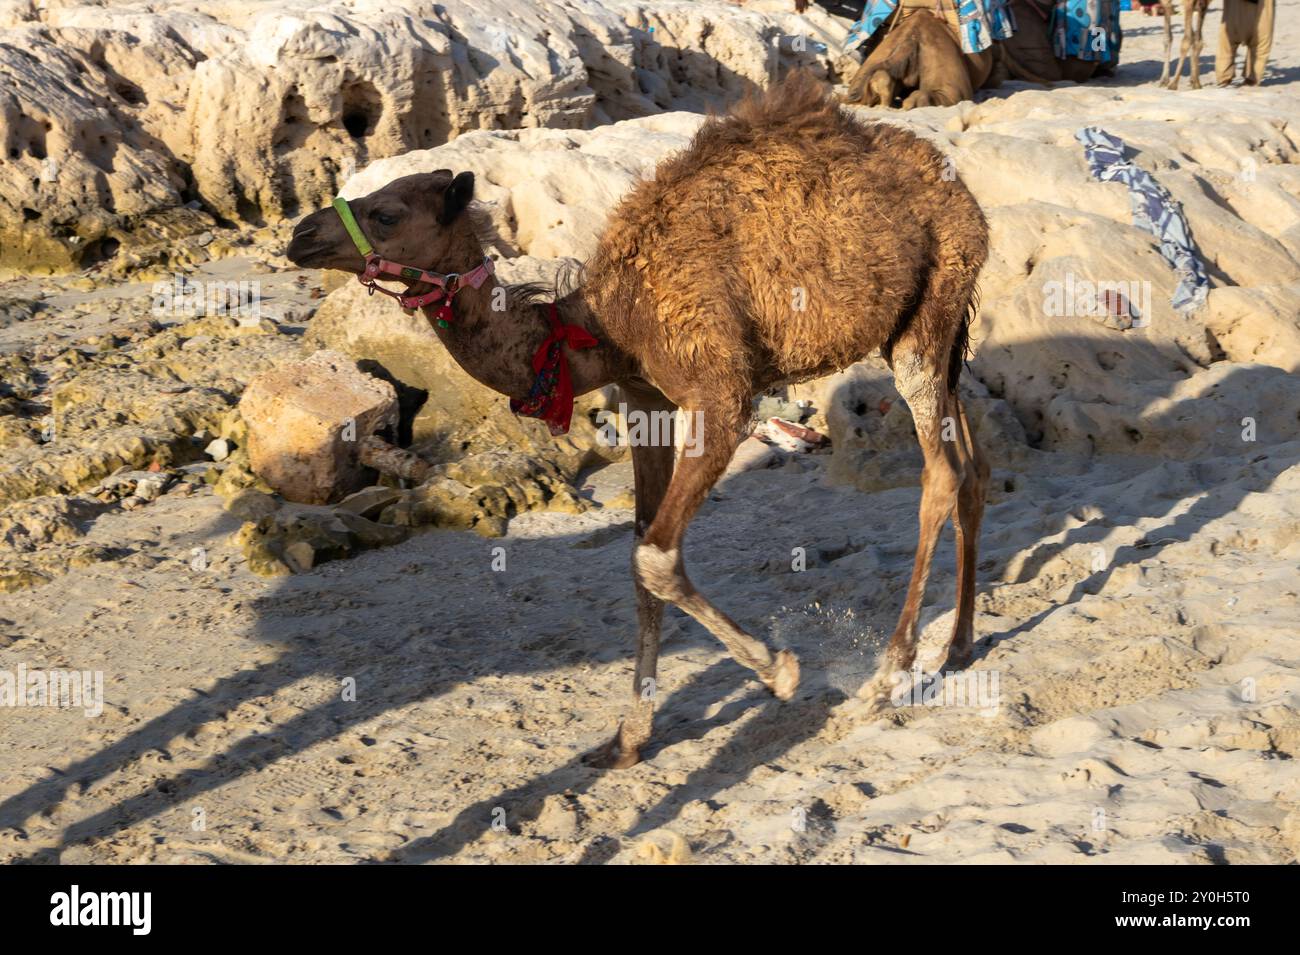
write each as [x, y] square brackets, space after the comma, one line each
[1190, 50]
[919, 63]
[742, 264]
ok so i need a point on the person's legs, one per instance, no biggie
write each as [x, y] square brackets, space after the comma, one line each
[1260, 42]
[1225, 69]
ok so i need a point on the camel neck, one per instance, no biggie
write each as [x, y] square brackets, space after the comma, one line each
[496, 332]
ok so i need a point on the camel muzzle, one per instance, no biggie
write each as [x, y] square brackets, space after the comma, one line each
[309, 245]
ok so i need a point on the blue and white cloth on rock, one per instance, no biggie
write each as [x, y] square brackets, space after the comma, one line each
[1154, 210]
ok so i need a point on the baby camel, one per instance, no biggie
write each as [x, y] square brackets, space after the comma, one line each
[787, 241]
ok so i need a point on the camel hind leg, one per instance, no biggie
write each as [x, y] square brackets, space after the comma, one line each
[1184, 49]
[1166, 9]
[926, 360]
[970, 513]
[921, 380]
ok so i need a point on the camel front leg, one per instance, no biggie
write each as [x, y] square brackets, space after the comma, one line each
[1166, 8]
[881, 90]
[917, 99]
[652, 469]
[1195, 64]
[714, 431]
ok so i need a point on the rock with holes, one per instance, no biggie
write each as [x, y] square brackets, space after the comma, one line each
[88, 120]
[306, 421]
[118, 119]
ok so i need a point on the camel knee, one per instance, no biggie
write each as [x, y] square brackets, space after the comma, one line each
[881, 89]
[660, 572]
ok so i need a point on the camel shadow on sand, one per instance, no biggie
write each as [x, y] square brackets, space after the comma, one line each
[430, 666]
[434, 658]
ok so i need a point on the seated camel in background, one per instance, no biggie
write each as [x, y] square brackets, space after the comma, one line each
[919, 63]
[1029, 56]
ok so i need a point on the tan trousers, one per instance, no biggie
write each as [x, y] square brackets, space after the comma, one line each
[1249, 25]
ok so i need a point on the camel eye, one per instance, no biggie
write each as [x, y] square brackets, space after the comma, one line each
[385, 218]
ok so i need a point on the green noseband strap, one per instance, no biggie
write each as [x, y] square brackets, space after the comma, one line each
[350, 223]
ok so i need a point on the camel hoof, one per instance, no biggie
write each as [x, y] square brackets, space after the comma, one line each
[959, 658]
[875, 697]
[783, 678]
[612, 755]
[872, 702]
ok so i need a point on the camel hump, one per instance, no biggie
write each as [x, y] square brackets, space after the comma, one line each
[799, 97]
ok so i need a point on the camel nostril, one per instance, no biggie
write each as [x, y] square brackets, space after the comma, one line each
[303, 229]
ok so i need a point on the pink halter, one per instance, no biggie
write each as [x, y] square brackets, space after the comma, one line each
[444, 286]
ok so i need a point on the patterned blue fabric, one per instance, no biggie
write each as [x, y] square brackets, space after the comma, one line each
[1085, 29]
[875, 13]
[981, 22]
[1154, 210]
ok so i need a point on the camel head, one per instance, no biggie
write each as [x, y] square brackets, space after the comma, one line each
[413, 220]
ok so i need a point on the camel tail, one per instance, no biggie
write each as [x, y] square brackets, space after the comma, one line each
[961, 343]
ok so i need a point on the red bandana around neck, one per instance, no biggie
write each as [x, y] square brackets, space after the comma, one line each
[551, 397]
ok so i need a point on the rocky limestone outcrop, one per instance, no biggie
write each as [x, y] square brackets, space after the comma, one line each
[131, 124]
[132, 399]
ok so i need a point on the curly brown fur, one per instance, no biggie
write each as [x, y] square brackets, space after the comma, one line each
[787, 202]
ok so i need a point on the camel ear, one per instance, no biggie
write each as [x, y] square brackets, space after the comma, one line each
[456, 197]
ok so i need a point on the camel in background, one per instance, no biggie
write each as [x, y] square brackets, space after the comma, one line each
[1193, 20]
[741, 264]
[919, 63]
